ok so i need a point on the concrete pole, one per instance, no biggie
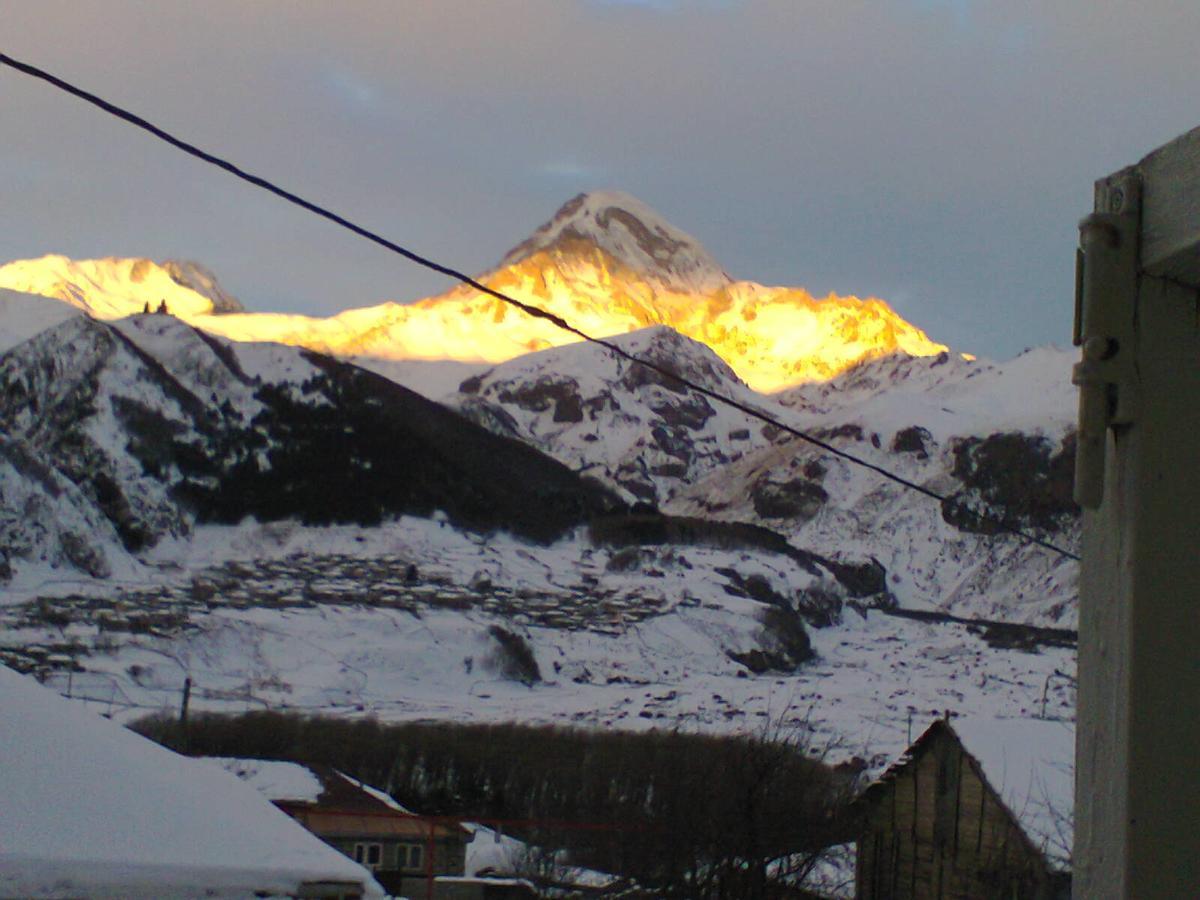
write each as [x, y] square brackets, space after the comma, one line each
[1137, 793]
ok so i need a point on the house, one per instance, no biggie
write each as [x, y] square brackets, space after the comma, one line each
[405, 851]
[90, 809]
[975, 809]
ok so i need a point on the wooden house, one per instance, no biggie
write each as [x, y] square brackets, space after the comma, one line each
[974, 810]
[406, 852]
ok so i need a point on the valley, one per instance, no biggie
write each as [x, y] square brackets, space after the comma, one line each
[266, 620]
[440, 512]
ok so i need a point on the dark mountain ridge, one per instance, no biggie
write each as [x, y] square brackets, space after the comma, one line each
[159, 426]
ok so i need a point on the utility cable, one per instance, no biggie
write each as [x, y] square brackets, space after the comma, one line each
[993, 520]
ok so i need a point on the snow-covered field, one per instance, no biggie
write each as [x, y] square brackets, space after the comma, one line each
[617, 647]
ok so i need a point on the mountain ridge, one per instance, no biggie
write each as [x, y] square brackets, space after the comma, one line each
[605, 262]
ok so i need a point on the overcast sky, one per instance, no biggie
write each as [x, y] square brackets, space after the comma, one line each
[935, 153]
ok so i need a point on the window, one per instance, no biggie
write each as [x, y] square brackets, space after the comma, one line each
[409, 856]
[369, 855]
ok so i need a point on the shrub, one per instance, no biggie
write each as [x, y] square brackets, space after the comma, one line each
[513, 657]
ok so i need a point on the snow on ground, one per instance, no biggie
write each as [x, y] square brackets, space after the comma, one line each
[432, 378]
[492, 851]
[660, 664]
[92, 809]
[950, 396]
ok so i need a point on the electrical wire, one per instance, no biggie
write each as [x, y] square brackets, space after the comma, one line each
[112, 109]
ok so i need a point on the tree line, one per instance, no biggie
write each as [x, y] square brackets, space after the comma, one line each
[676, 814]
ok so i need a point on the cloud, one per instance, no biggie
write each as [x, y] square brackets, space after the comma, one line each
[350, 89]
[940, 148]
[568, 170]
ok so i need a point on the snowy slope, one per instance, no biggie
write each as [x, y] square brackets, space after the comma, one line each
[281, 616]
[114, 288]
[947, 394]
[24, 315]
[615, 420]
[92, 809]
[114, 437]
[935, 424]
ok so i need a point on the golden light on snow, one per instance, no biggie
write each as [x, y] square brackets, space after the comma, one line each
[773, 337]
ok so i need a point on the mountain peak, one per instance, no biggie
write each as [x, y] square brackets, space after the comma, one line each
[631, 232]
[114, 287]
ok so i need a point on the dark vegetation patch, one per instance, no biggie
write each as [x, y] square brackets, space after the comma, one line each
[681, 815]
[865, 579]
[474, 383]
[912, 440]
[513, 657]
[363, 448]
[1021, 479]
[756, 587]
[784, 644]
[690, 412]
[849, 430]
[1002, 635]
[650, 529]
[860, 580]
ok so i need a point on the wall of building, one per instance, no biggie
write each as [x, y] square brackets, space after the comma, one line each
[937, 831]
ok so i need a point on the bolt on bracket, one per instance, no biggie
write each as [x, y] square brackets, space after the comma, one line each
[1106, 273]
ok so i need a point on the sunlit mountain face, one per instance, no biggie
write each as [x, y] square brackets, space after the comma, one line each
[605, 262]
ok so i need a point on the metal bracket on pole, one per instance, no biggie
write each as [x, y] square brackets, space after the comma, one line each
[1105, 290]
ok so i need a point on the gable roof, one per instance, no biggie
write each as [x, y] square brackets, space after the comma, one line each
[1028, 763]
[90, 808]
[346, 805]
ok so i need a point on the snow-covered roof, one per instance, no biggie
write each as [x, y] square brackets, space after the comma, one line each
[1031, 764]
[274, 779]
[90, 808]
[295, 782]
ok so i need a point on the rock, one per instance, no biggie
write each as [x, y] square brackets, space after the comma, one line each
[912, 440]
[1016, 478]
[798, 498]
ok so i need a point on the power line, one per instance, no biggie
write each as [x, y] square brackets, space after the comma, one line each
[999, 523]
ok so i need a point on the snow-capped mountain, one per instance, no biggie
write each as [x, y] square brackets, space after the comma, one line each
[114, 288]
[615, 420]
[116, 436]
[991, 437]
[997, 438]
[291, 531]
[605, 262]
[628, 231]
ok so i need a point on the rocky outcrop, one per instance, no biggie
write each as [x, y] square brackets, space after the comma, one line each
[1022, 479]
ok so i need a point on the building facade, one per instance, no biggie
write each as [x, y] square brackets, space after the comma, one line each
[934, 826]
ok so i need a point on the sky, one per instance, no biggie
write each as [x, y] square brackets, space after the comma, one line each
[935, 153]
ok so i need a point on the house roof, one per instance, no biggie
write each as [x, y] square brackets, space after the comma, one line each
[1028, 763]
[332, 800]
[93, 809]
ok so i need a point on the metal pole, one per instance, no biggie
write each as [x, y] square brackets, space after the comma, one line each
[429, 845]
